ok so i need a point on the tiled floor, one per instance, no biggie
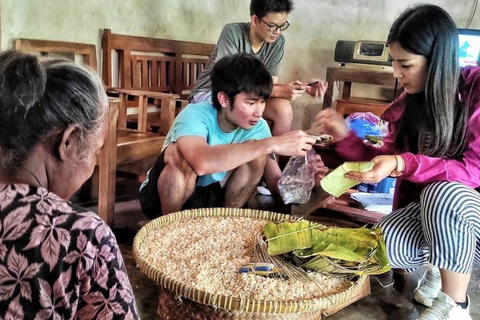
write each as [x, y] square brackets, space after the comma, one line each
[393, 302]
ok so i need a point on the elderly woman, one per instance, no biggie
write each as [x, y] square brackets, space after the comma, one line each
[56, 260]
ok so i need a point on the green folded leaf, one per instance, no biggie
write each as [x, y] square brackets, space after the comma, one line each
[345, 251]
[335, 182]
[287, 236]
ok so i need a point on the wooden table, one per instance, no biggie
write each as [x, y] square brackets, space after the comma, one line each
[322, 204]
[348, 75]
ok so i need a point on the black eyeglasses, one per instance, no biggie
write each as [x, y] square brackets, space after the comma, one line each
[273, 28]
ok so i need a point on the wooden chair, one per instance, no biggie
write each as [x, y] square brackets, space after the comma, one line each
[125, 149]
[133, 64]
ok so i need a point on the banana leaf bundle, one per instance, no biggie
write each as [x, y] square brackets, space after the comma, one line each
[343, 251]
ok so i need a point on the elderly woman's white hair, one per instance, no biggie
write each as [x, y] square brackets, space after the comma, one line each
[40, 96]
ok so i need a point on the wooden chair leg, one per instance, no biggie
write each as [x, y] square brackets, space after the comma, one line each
[142, 112]
[122, 111]
[107, 167]
[167, 115]
[91, 186]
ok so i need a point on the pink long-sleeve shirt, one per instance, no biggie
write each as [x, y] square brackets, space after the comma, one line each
[420, 169]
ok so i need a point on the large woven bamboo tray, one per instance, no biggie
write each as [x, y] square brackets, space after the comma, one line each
[181, 301]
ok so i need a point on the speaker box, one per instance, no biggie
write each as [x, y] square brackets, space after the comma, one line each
[361, 52]
[344, 51]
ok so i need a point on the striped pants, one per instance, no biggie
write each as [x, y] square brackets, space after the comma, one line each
[443, 229]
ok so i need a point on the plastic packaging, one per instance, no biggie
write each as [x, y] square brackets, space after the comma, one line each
[297, 180]
[366, 124]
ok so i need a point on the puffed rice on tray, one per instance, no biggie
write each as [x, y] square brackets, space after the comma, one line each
[206, 254]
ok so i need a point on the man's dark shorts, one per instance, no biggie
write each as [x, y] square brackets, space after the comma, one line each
[210, 196]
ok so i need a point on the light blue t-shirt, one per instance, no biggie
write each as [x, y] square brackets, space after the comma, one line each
[200, 119]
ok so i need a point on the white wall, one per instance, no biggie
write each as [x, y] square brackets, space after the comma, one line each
[316, 25]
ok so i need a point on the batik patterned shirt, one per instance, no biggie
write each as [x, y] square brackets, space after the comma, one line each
[58, 261]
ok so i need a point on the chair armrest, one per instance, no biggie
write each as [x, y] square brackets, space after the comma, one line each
[150, 94]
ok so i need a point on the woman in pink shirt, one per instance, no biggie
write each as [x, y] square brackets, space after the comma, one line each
[433, 147]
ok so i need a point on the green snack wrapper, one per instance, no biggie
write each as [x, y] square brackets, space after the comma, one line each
[335, 182]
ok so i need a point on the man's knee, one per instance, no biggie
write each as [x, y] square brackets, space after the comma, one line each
[280, 107]
[176, 163]
[256, 166]
[177, 173]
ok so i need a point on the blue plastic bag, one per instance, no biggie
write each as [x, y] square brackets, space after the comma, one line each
[366, 124]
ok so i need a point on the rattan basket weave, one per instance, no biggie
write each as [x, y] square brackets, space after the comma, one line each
[208, 305]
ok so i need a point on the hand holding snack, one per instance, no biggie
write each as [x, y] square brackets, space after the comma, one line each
[383, 166]
[336, 182]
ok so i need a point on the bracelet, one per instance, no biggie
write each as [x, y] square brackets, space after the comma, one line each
[400, 167]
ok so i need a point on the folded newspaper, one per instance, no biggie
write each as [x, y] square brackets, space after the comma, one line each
[378, 202]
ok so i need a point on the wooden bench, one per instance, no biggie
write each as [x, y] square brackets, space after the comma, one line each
[152, 65]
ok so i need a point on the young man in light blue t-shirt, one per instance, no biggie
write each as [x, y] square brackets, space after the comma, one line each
[216, 152]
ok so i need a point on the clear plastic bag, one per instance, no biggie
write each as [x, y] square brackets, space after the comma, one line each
[298, 178]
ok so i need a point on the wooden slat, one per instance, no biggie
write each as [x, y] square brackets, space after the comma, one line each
[134, 82]
[144, 74]
[154, 75]
[192, 67]
[192, 77]
[107, 58]
[107, 165]
[126, 67]
[163, 73]
[122, 112]
[133, 146]
[186, 75]
[142, 112]
[170, 74]
[137, 43]
[68, 49]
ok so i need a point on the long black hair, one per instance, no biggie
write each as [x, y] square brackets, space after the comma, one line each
[434, 121]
